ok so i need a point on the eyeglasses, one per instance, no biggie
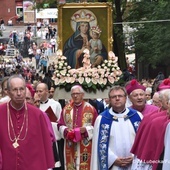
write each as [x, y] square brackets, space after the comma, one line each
[117, 96]
[75, 94]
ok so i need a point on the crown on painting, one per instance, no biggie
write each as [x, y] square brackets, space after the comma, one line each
[82, 17]
[96, 29]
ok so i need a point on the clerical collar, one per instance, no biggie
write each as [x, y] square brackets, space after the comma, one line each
[77, 105]
[119, 112]
[43, 102]
[15, 107]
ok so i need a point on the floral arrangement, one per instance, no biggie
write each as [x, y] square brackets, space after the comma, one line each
[89, 78]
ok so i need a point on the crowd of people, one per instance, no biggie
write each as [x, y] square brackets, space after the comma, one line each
[36, 65]
[127, 131]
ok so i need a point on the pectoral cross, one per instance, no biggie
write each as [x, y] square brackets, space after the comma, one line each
[15, 144]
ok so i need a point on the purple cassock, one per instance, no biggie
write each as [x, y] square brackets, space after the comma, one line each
[33, 149]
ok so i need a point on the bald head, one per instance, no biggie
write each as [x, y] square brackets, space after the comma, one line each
[42, 91]
[43, 85]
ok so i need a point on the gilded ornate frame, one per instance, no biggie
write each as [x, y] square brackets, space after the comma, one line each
[103, 13]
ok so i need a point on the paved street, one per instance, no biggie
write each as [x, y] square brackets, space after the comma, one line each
[19, 29]
[6, 33]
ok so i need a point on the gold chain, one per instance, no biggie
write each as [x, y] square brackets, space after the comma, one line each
[10, 123]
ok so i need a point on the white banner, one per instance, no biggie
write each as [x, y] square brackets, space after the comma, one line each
[47, 13]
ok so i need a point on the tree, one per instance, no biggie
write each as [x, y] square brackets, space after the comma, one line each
[119, 10]
[152, 35]
[46, 4]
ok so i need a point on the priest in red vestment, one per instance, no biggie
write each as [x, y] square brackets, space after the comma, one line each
[76, 127]
[24, 137]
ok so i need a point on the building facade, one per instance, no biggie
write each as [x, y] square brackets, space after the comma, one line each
[23, 11]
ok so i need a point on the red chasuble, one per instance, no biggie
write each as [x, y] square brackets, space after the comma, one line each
[35, 147]
[74, 117]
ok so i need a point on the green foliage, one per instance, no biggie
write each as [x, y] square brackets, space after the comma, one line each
[47, 4]
[152, 33]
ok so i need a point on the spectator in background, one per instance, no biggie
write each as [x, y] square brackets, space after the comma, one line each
[43, 63]
[148, 93]
[53, 43]
[2, 24]
[51, 92]
[156, 100]
[48, 80]
[99, 106]
[4, 95]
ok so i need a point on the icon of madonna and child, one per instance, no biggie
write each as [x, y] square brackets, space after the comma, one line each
[86, 36]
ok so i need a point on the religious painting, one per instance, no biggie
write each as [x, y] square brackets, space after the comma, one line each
[85, 26]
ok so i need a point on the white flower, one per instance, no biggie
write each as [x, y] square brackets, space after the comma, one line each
[109, 64]
[113, 69]
[88, 80]
[68, 79]
[63, 72]
[86, 51]
[56, 81]
[100, 80]
[59, 53]
[63, 58]
[60, 64]
[105, 81]
[85, 74]
[72, 80]
[81, 80]
[108, 72]
[111, 79]
[75, 75]
[94, 81]
[62, 80]
[58, 75]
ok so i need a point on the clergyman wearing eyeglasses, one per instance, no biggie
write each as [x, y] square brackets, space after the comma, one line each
[76, 127]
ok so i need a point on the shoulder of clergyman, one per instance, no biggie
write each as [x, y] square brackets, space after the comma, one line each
[88, 107]
[134, 118]
[68, 108]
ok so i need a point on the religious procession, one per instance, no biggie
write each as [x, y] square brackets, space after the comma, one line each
[69, 106]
